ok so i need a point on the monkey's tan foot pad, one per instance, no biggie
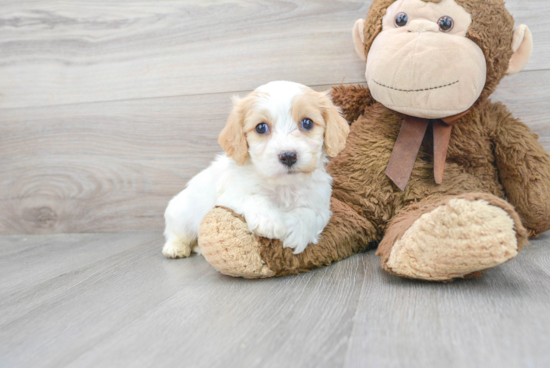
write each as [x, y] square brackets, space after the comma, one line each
[228, 245]
[454, 240]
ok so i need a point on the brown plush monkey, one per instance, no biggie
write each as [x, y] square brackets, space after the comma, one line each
[429, 159]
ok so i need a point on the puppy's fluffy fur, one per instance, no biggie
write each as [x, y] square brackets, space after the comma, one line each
[278, 201]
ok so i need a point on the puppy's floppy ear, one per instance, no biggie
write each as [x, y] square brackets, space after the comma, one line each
[337, 128]
[232, 138]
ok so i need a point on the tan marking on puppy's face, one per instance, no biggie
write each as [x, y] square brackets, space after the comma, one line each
[232, 138]
[308, 106]
[254, 116]
[282, 106]
[240, 127]
[330, 126]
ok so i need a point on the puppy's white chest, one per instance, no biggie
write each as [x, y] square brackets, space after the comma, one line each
[290, 196]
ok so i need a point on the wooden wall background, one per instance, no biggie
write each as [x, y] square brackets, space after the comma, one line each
[107, 108]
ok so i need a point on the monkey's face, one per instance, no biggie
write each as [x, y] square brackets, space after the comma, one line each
[422, 64]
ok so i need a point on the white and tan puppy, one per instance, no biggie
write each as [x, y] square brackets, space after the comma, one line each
[277, 140]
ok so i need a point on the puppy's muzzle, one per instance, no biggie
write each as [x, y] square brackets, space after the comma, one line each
[288, 158]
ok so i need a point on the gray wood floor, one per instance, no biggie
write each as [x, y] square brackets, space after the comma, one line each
[112, 300]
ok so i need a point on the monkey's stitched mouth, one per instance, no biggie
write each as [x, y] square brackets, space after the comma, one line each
[416, 90]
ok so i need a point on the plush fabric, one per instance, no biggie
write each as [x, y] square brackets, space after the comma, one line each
[472, 232]
[489, 29]
[445, 70]
[229, 246]
[495, 191]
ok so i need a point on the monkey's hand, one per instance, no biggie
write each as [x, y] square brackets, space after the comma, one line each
[524, 170]
[353, 100]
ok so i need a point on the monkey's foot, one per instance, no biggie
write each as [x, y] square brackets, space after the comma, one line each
[456, 239]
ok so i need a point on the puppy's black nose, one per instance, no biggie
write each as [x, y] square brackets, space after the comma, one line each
[288, 158]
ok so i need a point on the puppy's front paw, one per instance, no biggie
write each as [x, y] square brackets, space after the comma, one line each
[176, 249]
[298, 241]
[266, 225]
[299, 235]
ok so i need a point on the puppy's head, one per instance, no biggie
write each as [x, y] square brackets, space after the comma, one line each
[284, 128]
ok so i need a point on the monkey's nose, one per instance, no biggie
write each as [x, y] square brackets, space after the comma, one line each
[422, 26]
[288, 158]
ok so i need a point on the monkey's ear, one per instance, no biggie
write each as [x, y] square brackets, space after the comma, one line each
[232, 138]
[522, 45]
[359, 38]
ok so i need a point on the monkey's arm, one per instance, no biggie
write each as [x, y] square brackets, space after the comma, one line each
[346, 234]
[353, 100]
[524, 169]
[227, 244]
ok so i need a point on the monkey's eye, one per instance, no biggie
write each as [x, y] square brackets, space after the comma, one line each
[446, 23]
[401, 19]
[307, 124]
[262, 128]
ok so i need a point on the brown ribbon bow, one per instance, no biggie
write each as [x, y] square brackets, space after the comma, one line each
[408, 144]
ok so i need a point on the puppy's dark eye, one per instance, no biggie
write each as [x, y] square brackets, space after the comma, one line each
[401, 19]
[307, 124]
[262, 128]
[446, 24]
